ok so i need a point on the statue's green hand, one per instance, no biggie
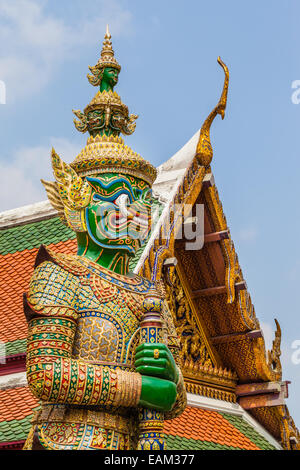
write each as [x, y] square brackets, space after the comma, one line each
[157, 394]
[156, 360]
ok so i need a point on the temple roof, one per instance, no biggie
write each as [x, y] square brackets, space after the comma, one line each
[16, 268]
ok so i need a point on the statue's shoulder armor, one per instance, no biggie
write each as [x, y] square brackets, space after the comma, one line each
[53, 289]
[68, 262]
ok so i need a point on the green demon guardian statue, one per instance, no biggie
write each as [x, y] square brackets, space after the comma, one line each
[102, 354]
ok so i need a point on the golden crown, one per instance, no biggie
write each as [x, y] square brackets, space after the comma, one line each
[103, 154]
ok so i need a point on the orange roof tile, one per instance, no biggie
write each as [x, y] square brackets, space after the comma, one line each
[15, 272]
[16, 403]
[206, 425]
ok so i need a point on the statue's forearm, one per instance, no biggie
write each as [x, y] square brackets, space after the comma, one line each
[75, 382]
[54, 376]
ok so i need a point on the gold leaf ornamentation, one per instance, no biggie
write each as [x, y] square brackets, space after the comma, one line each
[69, 194]
[192, 344]
[275, 353]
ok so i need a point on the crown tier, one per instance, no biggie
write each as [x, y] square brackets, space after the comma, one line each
[103, 154]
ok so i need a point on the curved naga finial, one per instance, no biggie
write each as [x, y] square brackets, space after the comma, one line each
[274, 355]
[204, 152]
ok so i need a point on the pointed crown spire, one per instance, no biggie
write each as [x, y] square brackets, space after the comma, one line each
[107, 59]
[107, 49]
[105, 118]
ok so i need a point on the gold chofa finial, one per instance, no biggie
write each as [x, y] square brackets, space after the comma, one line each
[204, 152]
[107, 59]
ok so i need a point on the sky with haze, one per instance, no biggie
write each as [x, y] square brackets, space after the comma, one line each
[168, 52]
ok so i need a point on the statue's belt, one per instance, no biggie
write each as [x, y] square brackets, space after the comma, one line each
[102, 419]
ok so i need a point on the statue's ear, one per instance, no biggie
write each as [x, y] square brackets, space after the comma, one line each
[74, 192]
[54, 198]
[97, 74]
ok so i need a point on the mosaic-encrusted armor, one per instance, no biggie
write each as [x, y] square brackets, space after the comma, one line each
[83, 330]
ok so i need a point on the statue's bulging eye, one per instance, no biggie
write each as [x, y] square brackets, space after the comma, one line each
[124, 197]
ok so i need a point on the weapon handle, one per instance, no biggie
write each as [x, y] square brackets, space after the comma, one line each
[151, 436]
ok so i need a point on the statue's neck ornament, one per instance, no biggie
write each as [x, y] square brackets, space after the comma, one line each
[104, 195]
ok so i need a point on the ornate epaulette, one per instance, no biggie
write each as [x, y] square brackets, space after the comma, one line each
[68, 262]
[36, 311]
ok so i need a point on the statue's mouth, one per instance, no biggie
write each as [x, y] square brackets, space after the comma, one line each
[115, 225]
[134, 220]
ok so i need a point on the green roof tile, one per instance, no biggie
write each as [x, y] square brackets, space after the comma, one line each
[15, 430]
[248, 431]
[26, 237]
[15, 347]
[182, 443]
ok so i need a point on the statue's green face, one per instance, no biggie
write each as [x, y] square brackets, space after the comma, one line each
[110, 76]
[119, 214]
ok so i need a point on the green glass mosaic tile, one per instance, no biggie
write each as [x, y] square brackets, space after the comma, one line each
[133, 262]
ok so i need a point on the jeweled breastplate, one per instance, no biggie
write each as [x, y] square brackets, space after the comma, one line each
[110, 309]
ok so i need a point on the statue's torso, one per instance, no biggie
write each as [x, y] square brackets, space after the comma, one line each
[109, 308]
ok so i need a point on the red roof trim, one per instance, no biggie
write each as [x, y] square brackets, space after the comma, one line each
[13, 364]
[12, 445]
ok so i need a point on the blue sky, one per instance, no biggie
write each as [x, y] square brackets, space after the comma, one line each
[170, 77]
